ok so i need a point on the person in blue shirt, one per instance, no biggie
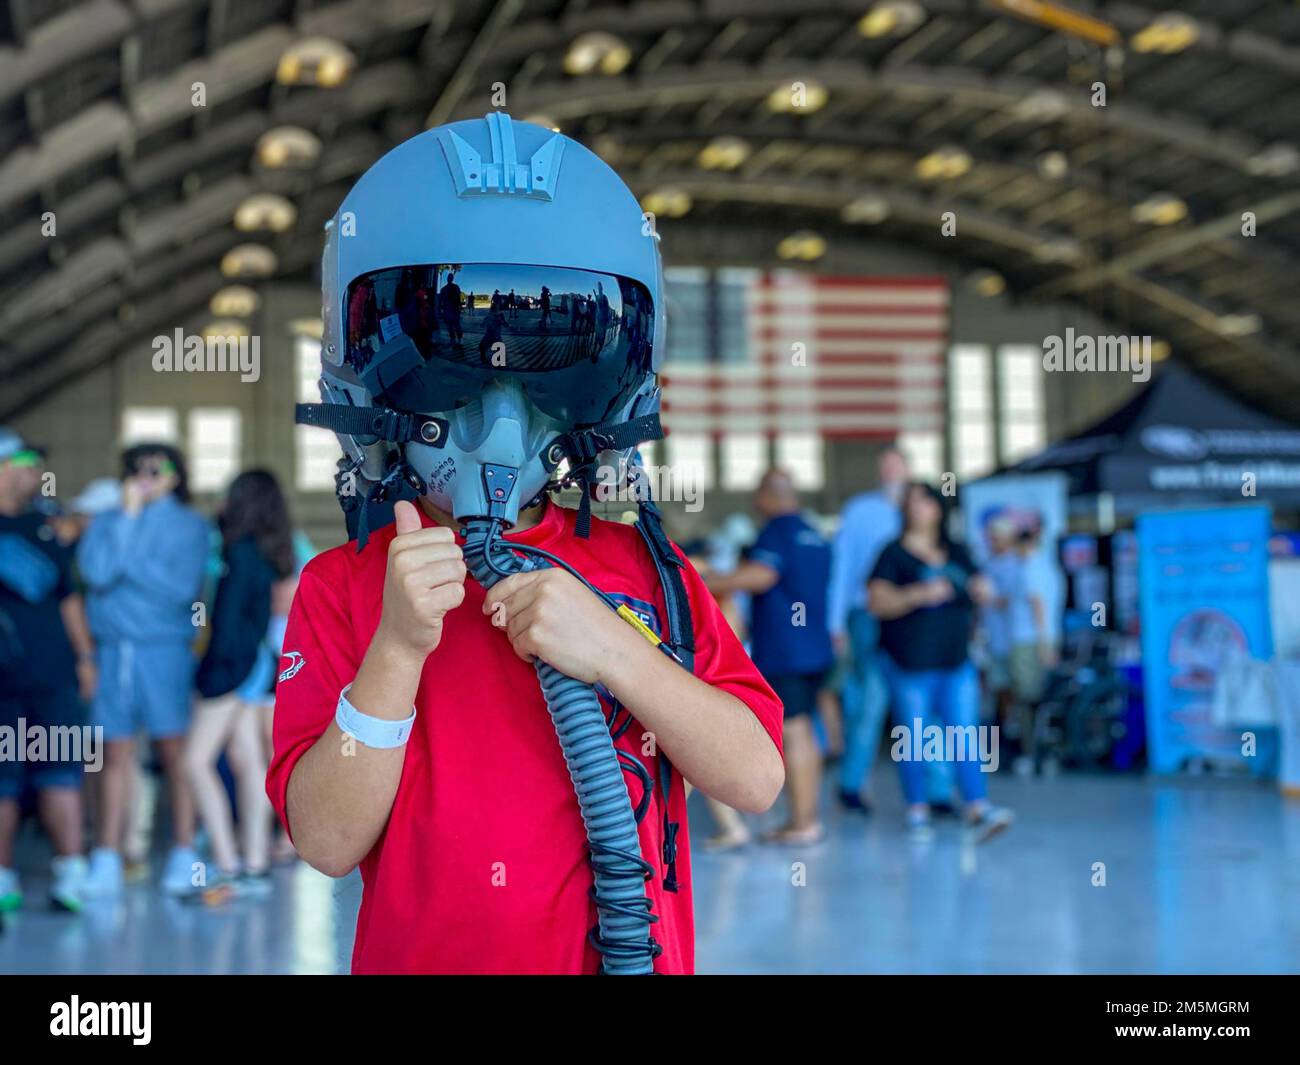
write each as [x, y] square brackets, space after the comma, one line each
[787, 572]
[143, 567]
[868, 522]
[43, 676]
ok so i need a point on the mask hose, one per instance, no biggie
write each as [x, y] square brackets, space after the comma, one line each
[623, 910]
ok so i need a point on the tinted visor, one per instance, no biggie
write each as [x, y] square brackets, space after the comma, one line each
[428, 338]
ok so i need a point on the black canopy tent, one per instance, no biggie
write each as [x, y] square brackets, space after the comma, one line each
[1181, 439]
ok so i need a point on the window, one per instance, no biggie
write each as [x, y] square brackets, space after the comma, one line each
[213, 447]
[316, 450]
[686, 299]
[802, 455]
[151, 424]
[971, 409]
[690, 461]
[734, 313]
[1022, 424]
[924, 454]
[744, 459]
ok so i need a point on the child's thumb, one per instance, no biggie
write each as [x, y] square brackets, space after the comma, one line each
[406, 517]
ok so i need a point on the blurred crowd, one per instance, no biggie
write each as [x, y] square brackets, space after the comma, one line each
[887, 619]
[127, 610]
[127, 613]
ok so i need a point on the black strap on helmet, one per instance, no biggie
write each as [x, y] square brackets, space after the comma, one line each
[582, 447]
[381, 422]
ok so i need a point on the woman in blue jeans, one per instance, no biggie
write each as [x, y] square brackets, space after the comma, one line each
[924, 589]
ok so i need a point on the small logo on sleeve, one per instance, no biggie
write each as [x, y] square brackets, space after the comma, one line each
[296, 662]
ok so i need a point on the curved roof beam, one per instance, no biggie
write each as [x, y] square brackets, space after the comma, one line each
[741, 81]
[1158, 249]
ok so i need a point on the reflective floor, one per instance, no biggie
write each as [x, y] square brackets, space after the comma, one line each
[1199, 876]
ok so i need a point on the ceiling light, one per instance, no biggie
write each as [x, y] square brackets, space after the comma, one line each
[871, 210]
[1042, 105]
[724, 153]
[265, 210]
[943, 164]
[315, 61]
[804, 245]
[249, 260]
[1062, 250]
[224, 328]
[1053, 165]
[1167, 33]
[802, 97]
[597, 52]
[1160, 350]
[1163, 209]
[287, 146]
[667, 203]
[1277, 160]
[1239, 325]
[234, 301]
[891, 18]
[987, 283]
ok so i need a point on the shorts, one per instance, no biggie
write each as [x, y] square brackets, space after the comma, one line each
[798, 691]
[1027, 673]
[60, 715]
[143, 686]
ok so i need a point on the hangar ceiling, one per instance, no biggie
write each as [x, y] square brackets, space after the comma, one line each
[119, 196]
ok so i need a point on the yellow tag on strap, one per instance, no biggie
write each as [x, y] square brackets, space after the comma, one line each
[629, 615]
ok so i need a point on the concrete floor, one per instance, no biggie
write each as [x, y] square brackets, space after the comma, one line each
[1200, 876]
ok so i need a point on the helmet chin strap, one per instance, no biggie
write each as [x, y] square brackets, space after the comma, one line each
[582, 447]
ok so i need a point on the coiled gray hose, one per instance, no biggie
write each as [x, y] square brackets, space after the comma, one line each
[618, 870]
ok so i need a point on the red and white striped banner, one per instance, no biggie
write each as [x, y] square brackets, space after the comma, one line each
[838, 356]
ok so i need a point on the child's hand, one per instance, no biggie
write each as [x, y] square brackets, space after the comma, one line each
[424, 580]
[548, 614]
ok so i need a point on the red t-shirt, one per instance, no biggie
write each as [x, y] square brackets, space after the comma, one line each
[483, 865]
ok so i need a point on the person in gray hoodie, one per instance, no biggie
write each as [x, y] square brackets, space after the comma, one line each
[143, 568]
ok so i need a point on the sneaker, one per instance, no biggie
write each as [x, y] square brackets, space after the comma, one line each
[919, 829]
[104, 877]
[989, 821]
[68, 882]
[178, 873]
[11, 891]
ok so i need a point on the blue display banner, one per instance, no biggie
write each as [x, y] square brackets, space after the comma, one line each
[1203, 580]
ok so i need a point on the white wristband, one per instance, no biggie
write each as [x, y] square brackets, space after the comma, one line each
[375, 732]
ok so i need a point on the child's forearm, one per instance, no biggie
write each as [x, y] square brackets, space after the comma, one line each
[713, 739]
[341, 792]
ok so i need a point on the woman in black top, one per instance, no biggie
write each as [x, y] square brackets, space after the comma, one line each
[924, 589]
[257, 552]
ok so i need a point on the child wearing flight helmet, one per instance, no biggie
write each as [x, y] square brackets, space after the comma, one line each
[412, 733]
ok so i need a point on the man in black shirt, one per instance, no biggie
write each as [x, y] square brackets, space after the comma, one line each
[41, 709]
